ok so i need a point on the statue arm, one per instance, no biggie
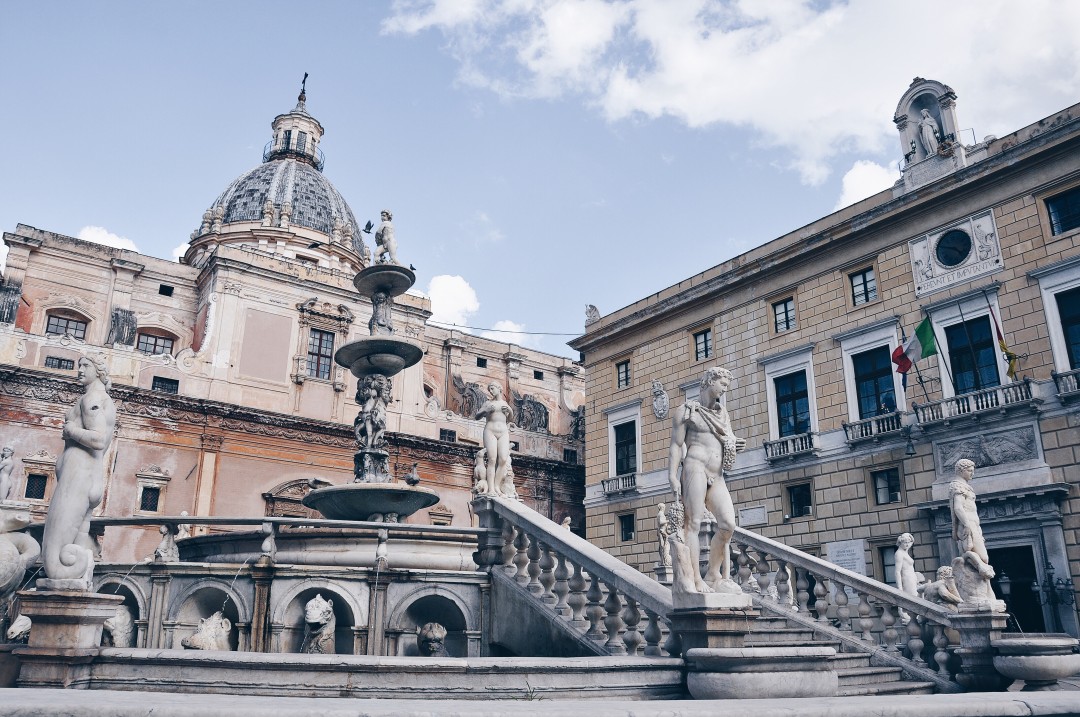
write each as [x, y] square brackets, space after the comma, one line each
[957, 506]
[677, 451]
[94, 432]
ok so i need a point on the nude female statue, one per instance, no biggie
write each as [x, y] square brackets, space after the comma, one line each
[497, 414]
[67, 546]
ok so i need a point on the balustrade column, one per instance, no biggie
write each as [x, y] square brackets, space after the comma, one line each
[653, 635]
[941, 650]
[866, 622]
[821, 604]
[508, 551]
[843, 613]
[534, 585]
[631, 617]
[547, 575]
[594, 611]
[783, 585]
[763, 575]
[562, 587]
[521, 557]
[613, 623]
[802, 587]
[888, 621]
[577, 599]
[743, 561]
[915, 642]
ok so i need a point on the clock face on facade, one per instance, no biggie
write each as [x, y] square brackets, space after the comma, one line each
[953, 247]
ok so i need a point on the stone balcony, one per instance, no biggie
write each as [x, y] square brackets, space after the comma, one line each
[1068, 385]
[626, 483]
[986, 404]
[791, 447]
[888, 426]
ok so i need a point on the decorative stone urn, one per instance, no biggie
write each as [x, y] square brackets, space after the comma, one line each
[1039, 659]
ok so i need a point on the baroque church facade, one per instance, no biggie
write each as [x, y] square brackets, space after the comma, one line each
[981, 242]
[229, 400]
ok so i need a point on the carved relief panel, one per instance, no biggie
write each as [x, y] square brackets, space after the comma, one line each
[956, 253]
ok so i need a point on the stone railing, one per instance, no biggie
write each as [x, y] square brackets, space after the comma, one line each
[788, 447]
[977, 404]
[874, 428]
[859, 612]
[620, 484]
[1068, 384]
[595, 594]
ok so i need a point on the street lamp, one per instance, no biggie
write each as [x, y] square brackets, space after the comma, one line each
[1053, 593]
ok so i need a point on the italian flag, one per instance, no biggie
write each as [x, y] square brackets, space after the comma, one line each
[921, 345]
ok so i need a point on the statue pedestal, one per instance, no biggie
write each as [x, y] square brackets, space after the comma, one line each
[712, 619]
[978, 629]
[65, 636]
[663, 574]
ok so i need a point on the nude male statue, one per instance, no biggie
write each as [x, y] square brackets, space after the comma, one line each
[703, 445]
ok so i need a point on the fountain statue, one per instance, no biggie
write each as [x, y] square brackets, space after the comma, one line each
[971, 568]
[319, 627]
[374, 360]
[431, 640]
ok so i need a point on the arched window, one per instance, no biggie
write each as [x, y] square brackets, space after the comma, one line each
[154, 342]
[59, 323]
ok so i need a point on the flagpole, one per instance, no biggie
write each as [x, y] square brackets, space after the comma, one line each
[976, 377]
[1009, 356]
[918, 373]
[941, 359]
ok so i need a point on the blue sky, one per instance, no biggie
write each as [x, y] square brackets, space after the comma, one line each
[538, 155]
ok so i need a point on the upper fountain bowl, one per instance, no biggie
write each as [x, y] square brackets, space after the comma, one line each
[385, 355]
[392, 279]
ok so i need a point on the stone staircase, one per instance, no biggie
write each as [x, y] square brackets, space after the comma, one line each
[857, 676]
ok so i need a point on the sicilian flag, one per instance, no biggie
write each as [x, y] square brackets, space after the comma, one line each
[921, 345]
[1012, 358]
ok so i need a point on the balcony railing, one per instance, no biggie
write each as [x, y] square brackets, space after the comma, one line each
[977, 404]
[790, 447]
[874, 428]
[620, 484]
[316, 158]
[1068, 385]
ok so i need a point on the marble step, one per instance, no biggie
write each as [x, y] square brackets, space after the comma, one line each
[780, 635]
[850, 660]
[887, 688]
[868, 675]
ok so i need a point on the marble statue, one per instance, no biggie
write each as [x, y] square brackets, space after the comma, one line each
[80, 481]
[381, 322]
[7, 464]
[183, 530]
[17, 550]
[972, 568]
[497, 415]
[907, 580]
[565, 523]
[119, 630]
[212, 634]
[703, 446]
[412, 477]
[480, 484]
[19, 631]
[662, 536]
[166, 551]
[431, 640]
[685, 573]
[386, 245]
[943, 590]
[319, 627]
[372, 393]
[509, 490]
[928, 133]
[592, 314]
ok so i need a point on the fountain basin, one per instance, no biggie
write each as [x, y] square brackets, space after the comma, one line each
[370, 501]
[383, 355]
[1039, 659]
[392, 279]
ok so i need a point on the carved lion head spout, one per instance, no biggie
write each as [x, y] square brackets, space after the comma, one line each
[430, 640]
[319, 626]
[318, 610]
[212, 634]
[119, 630]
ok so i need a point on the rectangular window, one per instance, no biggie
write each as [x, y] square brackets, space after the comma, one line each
[569, 455]
[165, 385]
[320, 354]
[301, 141]
[626, 448]
[60, 325]
[622, 374]
[784, 315]
[164, 290]
[538, 375]
[1069, 309]
[148, 501]
[286, 142]
[886, 485]
[888, 564]
[792, 404]
[800, 500]
[515, 446]
[863, 287]
[35, 486]
[703, 344]
[481, 362]
[61, 363]
[151, 344]
[874, 386]
[1064, 211]
[973, 355]
[445, 434]
[626, 527]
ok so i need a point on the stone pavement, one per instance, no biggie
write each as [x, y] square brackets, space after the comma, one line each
[104, 703]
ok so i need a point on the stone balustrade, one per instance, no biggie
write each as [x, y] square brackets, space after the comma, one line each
[977, 404]
[1067, 384]
[790, 447]
[625, 483]
[875, 428]
[615, 606]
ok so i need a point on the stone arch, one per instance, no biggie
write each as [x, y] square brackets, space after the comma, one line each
[935, 97]
[201, 600]
[432, 603]
[134, 598]
[287, 615]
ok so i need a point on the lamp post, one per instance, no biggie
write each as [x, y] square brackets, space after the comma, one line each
[1053, 593]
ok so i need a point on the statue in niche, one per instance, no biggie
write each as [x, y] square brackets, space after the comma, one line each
[431, 640]
[703, 446]
[7, 464]
[928, 133]
[943, 590]
[80, 481]
[319, 627]
[662, 537]
[381, 323]
[119, 630]
[211, 634]
[907, 580]
[385, 243]
[497, 415]
[372, 393]
[972, 568]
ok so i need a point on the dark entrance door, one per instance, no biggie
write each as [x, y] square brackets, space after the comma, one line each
[1019, 564]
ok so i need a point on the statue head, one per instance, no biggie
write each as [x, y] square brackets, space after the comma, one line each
[430, 638]
[93, 366]
[495, 389]
[717, 379]
[379, 297]
[944, 572]
[905, 541]
[965, 469]
[660, 508]
[386, 215]
[318, 610]
[7, 452]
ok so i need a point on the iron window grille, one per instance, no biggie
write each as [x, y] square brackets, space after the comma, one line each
[165, 385]
[148, 501]
[35, 486]
[1064, 211]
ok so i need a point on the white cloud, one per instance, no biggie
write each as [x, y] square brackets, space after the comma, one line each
[101, 235]
[813, 78]
[179, 251]
[453, 301]
[863, 180]
[509, 332]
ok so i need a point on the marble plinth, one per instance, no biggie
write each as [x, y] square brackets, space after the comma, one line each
[712, 627]
[761, 672]
[370, 501]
